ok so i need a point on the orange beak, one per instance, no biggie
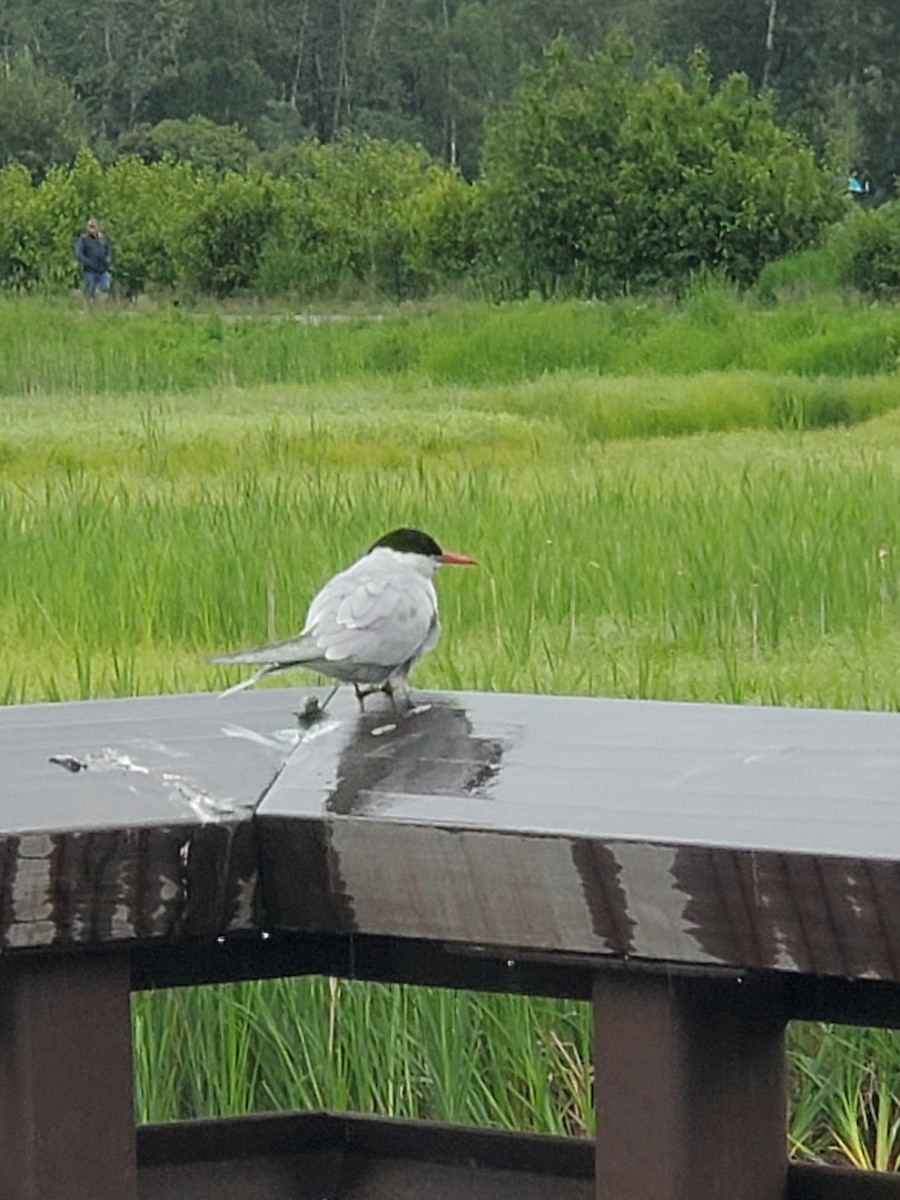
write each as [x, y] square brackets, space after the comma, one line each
[458, 560]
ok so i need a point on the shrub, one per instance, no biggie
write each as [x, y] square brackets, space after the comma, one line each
[443, 220]
[197, 140]
[148, 210]
[358, 211]
[227, 232]
[61, 205]
[870, 250]
[16, 202]
[598, 181]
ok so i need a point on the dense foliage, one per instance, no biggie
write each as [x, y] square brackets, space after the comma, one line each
[869, 251]
[600, 181]
[359, 211]
[599, 178]
[430, 71]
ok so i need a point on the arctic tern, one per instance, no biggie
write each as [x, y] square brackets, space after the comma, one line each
[370, 624]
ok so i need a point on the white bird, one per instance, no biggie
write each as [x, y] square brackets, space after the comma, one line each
[370, 624]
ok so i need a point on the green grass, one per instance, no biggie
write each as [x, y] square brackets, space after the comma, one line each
[54, 347]
[742, 567]
[693, 503]
[455, 1056]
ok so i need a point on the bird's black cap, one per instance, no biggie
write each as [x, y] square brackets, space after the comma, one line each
[409, 541]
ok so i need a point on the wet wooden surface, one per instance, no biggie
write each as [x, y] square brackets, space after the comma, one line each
[690, 834]
[131, 819]
[688, 865]
[693, 834]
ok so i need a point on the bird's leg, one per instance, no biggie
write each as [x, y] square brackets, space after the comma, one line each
[387, 687]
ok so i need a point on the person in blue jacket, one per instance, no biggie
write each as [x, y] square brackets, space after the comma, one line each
[94, 254]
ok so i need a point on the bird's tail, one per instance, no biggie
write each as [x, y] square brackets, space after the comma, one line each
[280, 656]
[263, 656]
[246, 683]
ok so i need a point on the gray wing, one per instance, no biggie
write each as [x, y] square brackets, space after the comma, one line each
[374, 617]
[365, 621]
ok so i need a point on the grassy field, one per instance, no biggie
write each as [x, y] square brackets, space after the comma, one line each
[692, 503]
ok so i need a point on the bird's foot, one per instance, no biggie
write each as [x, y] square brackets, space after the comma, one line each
[362, 694]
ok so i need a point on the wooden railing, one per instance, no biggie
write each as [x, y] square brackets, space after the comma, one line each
[703, 874]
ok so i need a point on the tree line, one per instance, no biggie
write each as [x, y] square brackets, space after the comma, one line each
[106, 73]
[597, 178]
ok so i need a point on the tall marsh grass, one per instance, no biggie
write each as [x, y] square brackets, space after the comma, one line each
[746, 568]
[326, 1043]
[172, 485]
[51, 347]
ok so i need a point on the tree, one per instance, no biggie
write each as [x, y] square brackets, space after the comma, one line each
[838, 81]
[114, 53]
[598, 180]
[833, 67]
[220, 75]
[549, 171]
[42, 123]
[197, 140]
[432, 71]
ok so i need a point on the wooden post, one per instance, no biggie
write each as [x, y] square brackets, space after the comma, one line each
[689, 1089]
[66, 1095]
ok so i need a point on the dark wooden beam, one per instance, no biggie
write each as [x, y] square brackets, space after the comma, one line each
[689, 1090]
[66, 1106]
[270, 1155]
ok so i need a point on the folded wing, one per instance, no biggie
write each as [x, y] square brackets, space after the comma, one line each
[363, 626]
[374, 619]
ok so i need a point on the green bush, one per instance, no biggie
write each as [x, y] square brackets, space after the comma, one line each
[147, 212]
[198, 141]
[817, 269]
[63, 202]
[16, 201]
[228, 230]
[444, 223]
[378, 214]
[870, 250]
[600, 182]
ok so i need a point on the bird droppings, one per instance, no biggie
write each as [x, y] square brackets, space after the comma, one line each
[278, 739]
[206, 807]
[106, 760]
[69, 762]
